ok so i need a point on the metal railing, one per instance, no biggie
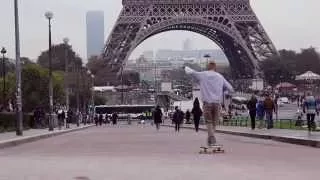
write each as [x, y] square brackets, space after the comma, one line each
[244, 121]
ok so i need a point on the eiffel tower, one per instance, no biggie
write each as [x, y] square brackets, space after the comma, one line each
[231, 24]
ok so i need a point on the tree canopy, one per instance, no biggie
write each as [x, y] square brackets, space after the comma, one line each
[289, 64]
[59, 54]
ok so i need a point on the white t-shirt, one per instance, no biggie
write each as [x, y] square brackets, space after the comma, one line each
[212, 85]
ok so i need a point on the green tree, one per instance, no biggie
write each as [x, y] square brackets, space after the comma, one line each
[26, 61]
[9, 66]
[289, 64]
[59, 54]
[102, 72]
[35, 87]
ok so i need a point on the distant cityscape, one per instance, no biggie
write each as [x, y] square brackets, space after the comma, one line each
[152, 64]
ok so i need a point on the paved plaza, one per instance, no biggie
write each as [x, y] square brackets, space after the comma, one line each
[140, 152]
[31, 132]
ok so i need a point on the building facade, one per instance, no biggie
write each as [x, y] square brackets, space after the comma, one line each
[95, 33]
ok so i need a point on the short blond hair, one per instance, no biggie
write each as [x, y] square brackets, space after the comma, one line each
[212, 65]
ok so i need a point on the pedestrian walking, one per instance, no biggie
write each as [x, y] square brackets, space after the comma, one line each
[100, 119]
[85, 118]
[61, 117]
[107, 120]
[96, 119]
[157, 116]
[114, 118]
[310, 108]
[178, 117]
[188, 116]
[252, 107]
[197, 113]
[270, 108]
[212, 86]
[261, 114]
[69, 118]
[37, 118]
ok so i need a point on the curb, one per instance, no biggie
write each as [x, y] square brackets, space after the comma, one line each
[290, 140]
[28, 139]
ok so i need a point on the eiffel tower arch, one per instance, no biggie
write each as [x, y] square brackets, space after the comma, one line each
[231, 24]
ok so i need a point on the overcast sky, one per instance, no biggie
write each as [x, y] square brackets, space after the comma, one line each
[291, 24]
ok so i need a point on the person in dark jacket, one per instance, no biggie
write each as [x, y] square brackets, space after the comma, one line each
[100, 119]
[69, 118]
[197, 113]
[96, 119]
[114, 118]
[157, 116]
[270, 108]
[252, 107]
[61, 117]
[36, 117]
[261, 114]
[178, 117]
[188, 116]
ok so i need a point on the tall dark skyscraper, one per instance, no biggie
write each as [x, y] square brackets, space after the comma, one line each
[95, 33]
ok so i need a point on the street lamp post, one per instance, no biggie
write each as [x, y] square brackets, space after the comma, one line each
[49, 16]
[78, 92]
[19, 126]
[66, 41]
[92, 89]
[3, 52]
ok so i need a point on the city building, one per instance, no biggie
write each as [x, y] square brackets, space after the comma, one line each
[187, 45]
[148, 55]
[155, 70]
[95, 33]
[169, 54]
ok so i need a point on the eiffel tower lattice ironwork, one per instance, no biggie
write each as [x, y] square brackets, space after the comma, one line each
[231, 24]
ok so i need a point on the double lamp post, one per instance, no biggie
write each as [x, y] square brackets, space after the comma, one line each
[4, 103]
[49, 16]
[19, 128]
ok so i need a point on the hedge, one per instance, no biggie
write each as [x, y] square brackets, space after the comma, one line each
[8, 121]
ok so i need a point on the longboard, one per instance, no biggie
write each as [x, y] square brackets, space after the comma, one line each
[211, 149]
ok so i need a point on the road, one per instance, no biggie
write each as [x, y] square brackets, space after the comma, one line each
[137, 153]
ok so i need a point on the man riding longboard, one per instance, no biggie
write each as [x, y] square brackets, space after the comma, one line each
[212, 87]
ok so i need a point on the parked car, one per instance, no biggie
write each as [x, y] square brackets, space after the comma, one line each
[240, 103]
[283, 100]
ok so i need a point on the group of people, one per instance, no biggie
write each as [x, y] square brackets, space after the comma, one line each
[179, 116]
[69, 117]
[263, 110]
[212, 86]
[99, 119]
[64, 117]
[39, 117]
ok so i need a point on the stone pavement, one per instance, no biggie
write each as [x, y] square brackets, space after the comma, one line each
[300, 137]
[141, 153]
[9, 139]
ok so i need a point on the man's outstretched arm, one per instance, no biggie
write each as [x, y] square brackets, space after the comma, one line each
[192, 72]
[227, 86]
